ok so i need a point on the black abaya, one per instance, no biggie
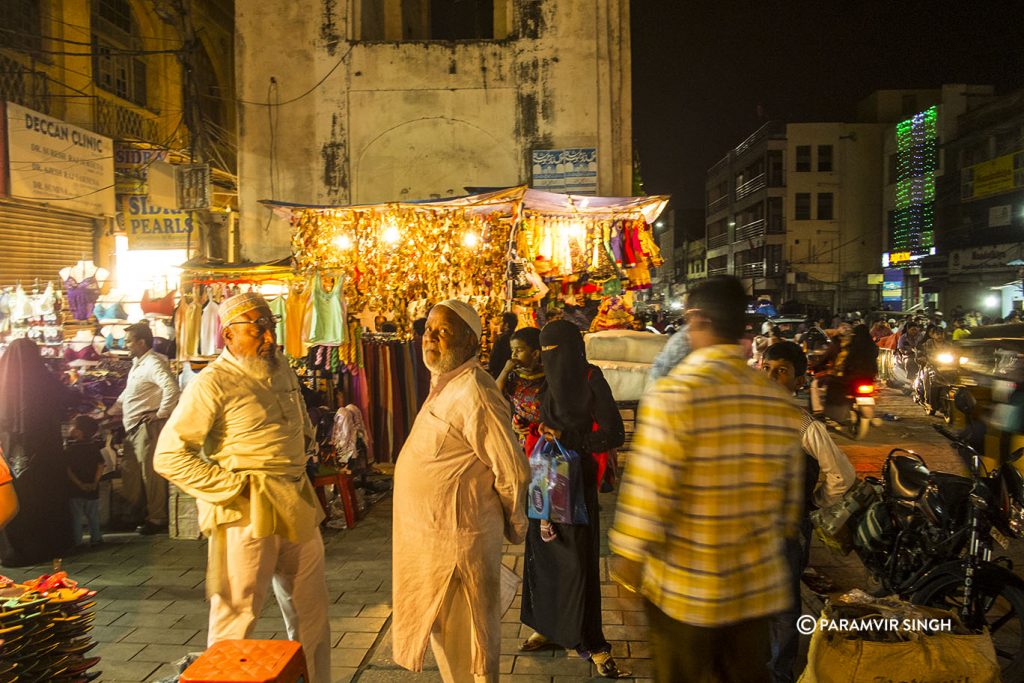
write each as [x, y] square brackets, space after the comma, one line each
[561, 578]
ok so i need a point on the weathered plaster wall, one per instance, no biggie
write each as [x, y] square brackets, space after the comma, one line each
[412, 120]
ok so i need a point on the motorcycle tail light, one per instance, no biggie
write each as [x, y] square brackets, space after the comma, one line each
[865, 389]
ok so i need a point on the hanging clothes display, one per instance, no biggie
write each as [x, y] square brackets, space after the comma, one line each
[211, 343]
[163, 307]
[279, 308]
[296, 307]
[188, 324]
[81, 296]
[327, 326]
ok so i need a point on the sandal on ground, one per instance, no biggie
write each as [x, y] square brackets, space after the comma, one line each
[606, 666]
[536, 642]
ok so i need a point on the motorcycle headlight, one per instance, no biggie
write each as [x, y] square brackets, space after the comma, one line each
[1016, 519]
[945, 358]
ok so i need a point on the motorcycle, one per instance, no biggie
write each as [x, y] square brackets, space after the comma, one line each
[904, 371]
[929, 537]
[936, 378]
[850, 403]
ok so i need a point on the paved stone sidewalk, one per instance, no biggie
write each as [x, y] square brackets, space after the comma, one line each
[151, 610]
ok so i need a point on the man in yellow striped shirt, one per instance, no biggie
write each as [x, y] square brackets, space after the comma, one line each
[712, 487]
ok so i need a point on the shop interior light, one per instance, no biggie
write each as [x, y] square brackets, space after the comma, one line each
[991, 301]
[471, 239]
[141, 270]
[391, 234]
[343, 241]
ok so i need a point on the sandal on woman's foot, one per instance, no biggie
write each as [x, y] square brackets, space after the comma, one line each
[535, 642]
[606, 666]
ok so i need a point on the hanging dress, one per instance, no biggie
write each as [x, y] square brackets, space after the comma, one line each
[327, 327]
[188, 323]
[210, 342]
[295, 307]
[279, 308]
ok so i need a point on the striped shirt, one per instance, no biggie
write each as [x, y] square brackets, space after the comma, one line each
[713, 484]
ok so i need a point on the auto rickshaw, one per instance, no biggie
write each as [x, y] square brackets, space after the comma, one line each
[989, 399]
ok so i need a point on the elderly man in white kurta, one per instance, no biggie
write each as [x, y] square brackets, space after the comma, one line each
[245, 412]
[459, 487]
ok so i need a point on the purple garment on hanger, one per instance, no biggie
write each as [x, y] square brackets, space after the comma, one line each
[81, 296]
[615, 241]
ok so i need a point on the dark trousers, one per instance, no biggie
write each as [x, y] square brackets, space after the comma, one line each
[785, 641]
[737, 653]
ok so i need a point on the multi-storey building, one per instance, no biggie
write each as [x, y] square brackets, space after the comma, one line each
[914, 162]
[388, 101]
[108, 77]
[979, 214]
[793, 211]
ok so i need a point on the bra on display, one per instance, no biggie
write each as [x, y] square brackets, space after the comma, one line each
[87, 353]
[114, 311]
[163, 306]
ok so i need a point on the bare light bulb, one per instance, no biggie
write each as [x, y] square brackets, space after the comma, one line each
[343, 242]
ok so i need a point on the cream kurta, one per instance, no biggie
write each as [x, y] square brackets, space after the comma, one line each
[459, 487]
[253, 433]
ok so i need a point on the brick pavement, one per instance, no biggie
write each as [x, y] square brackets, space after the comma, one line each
[151, 609]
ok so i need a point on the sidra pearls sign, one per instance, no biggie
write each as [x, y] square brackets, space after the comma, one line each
[61, 165]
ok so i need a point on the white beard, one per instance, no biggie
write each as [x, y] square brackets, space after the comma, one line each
[448, 362]
[261, 368]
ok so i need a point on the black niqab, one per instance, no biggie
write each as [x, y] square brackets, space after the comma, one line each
[30, 397]
[565, 404]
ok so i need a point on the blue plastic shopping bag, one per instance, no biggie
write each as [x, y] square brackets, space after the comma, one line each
[556, 485]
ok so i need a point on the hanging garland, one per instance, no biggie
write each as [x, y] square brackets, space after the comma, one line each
[397, 254]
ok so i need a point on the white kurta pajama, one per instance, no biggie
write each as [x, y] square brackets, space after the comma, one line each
[460, 482]
[256, 504]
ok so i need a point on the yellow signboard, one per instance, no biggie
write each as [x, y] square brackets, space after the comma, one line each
[899, 257]
[990, 178]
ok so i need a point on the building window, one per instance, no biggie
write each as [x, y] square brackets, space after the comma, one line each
[803, 158]
[802, 211]
[21, 24]
[432, 20]
[825, 206]
[114, 36]
[825, 158]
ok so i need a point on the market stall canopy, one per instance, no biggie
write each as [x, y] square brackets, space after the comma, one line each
[206, 267]
[506, 200]
[553, 203]
[511, 198]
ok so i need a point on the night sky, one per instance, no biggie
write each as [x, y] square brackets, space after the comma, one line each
[707, 73]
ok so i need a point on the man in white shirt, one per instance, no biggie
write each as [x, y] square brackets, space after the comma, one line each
[145, 404]
[256, 504]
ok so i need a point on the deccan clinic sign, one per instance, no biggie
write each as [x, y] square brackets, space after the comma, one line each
[155, 227]
[54, 162]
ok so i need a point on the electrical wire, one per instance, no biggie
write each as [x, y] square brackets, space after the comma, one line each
[54, 38]
[293, 99]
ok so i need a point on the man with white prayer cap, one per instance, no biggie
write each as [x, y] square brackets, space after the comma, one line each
[256, 504]
[459, 486]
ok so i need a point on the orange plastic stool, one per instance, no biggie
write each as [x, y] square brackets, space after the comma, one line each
[345, 487]
[249, 661]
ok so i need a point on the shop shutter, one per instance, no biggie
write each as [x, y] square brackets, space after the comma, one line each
[36, 242]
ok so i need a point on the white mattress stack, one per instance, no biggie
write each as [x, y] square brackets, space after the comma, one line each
[625, 358]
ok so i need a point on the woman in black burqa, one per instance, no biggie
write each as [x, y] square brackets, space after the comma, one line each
[562, 581]
[32, 402]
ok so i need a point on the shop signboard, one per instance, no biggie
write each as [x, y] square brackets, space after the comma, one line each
[994, 257]
[1000, 216]
[150, 226]
[131, 167]
[570, 171]
[57, 163]
[996, 176]
[892, 289]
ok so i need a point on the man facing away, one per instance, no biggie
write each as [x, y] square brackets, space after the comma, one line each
[257, 506]
[460, 483]
[149, 396]
[712, 487]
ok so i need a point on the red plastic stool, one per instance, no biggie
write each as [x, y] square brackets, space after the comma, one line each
[249, 661]
[345, 487]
